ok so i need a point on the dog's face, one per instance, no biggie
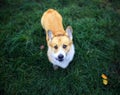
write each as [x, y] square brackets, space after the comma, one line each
[60, 45]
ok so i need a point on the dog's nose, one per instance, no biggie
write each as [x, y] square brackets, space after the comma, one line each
[60, 56]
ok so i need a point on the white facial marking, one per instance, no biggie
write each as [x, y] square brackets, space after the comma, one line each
[61, 51]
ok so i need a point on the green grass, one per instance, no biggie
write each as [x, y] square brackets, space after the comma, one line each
[24, 67]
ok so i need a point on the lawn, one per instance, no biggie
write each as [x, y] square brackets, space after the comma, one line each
[24, 66]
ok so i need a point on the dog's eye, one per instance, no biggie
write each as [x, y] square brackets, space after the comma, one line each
[56, 47]
[64, 46]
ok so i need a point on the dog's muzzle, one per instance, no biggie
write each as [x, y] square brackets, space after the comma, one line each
[60, 57]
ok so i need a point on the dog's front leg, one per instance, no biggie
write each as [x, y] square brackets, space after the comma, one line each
[55, 67]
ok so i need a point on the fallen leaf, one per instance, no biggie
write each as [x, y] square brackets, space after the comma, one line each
[104, 76]
[42, 47]
[105, 82]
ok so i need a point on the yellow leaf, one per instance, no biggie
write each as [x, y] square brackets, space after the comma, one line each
[104, 76]
[105, 82]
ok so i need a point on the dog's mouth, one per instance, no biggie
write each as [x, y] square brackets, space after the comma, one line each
[60, 60]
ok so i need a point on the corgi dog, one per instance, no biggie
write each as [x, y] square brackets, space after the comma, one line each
[59, 41]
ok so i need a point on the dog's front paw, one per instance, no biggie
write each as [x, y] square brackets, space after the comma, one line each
[55, 67]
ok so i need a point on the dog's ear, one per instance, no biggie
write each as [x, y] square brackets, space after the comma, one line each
[69, 31]
[50, 35]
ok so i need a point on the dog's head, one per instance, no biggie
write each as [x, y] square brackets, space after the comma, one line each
[60, 45]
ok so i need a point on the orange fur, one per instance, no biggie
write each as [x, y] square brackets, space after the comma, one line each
[52, 20]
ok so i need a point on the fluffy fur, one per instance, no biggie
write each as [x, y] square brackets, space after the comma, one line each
[66, 61]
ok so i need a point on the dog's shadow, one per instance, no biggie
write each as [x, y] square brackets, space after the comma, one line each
[43, 32]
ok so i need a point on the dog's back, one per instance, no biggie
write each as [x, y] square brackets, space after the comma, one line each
[52, 20]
